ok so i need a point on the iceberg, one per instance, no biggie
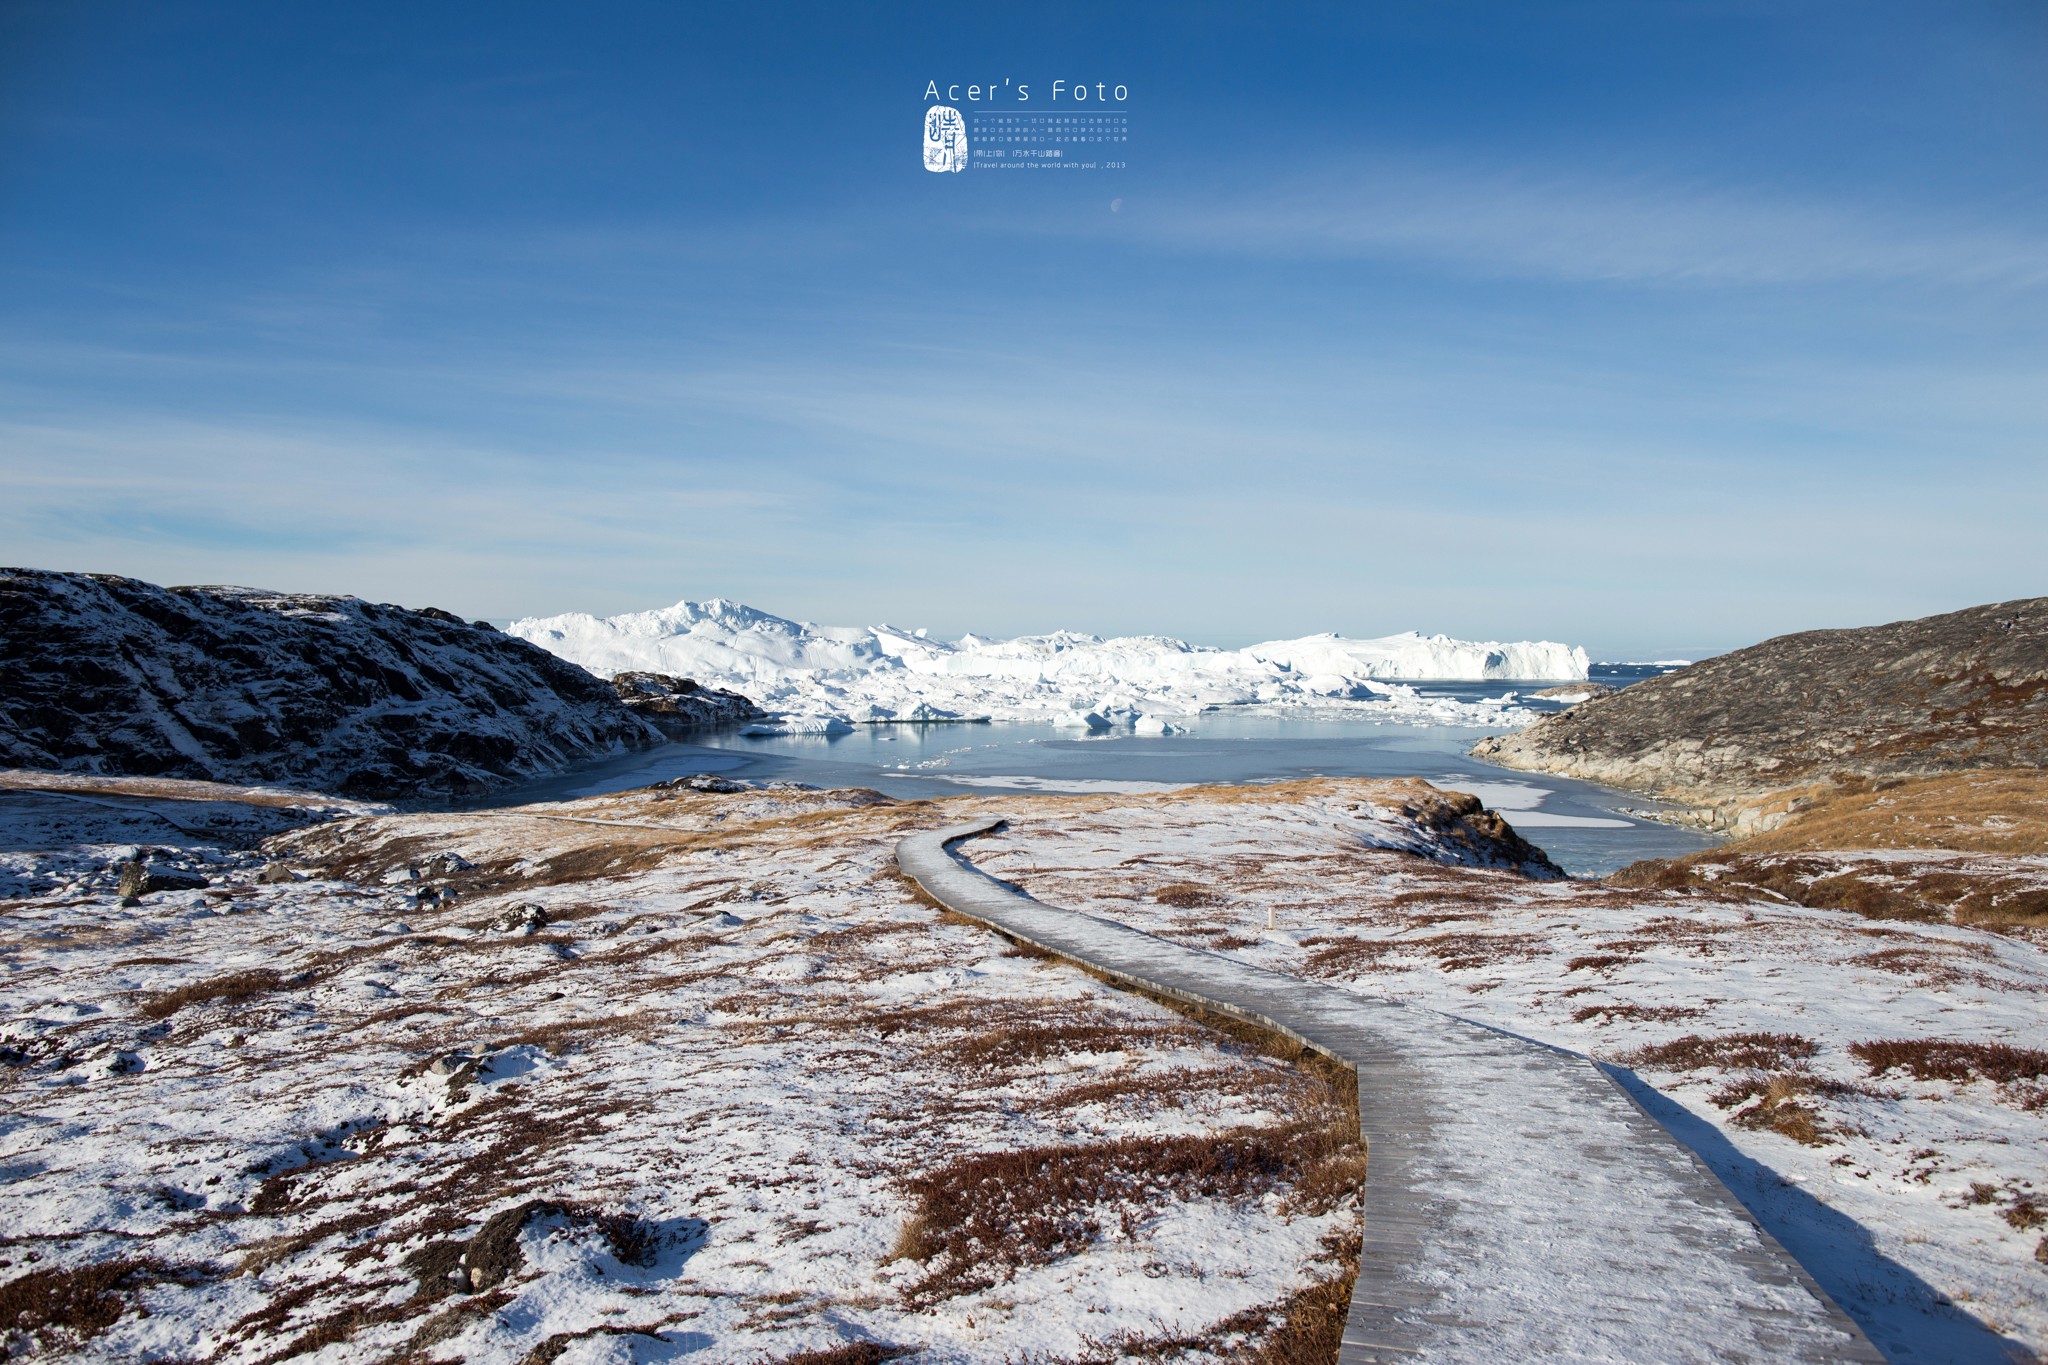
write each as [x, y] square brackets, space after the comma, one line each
[924, 713]
[882, 674]
[799, 725]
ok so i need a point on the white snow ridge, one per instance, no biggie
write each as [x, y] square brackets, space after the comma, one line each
[879, 674]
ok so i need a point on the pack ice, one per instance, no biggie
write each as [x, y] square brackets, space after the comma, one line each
[880, 674]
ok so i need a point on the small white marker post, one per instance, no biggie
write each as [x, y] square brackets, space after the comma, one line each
[1271, 921]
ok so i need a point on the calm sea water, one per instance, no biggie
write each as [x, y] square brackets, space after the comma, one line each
[1583, 827]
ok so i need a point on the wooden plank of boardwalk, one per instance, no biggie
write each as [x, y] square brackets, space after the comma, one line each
[1518, 1205]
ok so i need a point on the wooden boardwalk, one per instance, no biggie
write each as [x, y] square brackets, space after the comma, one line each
[1518, 1205]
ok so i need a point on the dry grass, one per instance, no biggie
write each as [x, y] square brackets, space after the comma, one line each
[979, 1219]
[1452, 893]
[162, 789]
[561, 851]
[1305, 1328]
[1454, 952]
[1873, 890]
[1152, 1090]
[457, 1319]
[493, 1254]
[1924, 964]
[1776, 1101]
[894, 878]
[63, 1309]
[1348, 956]
[234, 986]
[558, 1343]
[1992, 896]
[2001, 814]
[1467, 950]
[1186, 896]
[2003, 811]
[976, 1036]
[1930, 1059]
[1634, 1014]
[1011, 1045]
[1311, 1322]
[853, 1353]
[1727, 1051]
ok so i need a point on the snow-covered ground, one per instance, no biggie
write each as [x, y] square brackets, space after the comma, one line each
[881, 674]
[1903, 1176]
[678, 1074]
[691, 1072]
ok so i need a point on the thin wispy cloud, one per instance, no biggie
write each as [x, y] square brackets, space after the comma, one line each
[1515, 352]
[1635, 228]
[361, 509]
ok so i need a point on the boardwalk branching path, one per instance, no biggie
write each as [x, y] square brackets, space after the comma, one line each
[1518, 1205]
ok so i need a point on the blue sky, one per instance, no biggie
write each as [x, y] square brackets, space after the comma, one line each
[1659, 328]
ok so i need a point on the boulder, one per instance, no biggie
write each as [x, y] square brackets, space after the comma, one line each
[142, 879]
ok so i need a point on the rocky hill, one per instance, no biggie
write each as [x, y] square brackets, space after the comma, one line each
[104, 674]
[1942, 694]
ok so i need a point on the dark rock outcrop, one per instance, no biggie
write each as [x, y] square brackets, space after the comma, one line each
[1915, 698]
[678, 706]
[1465, 832]
[103, 674]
